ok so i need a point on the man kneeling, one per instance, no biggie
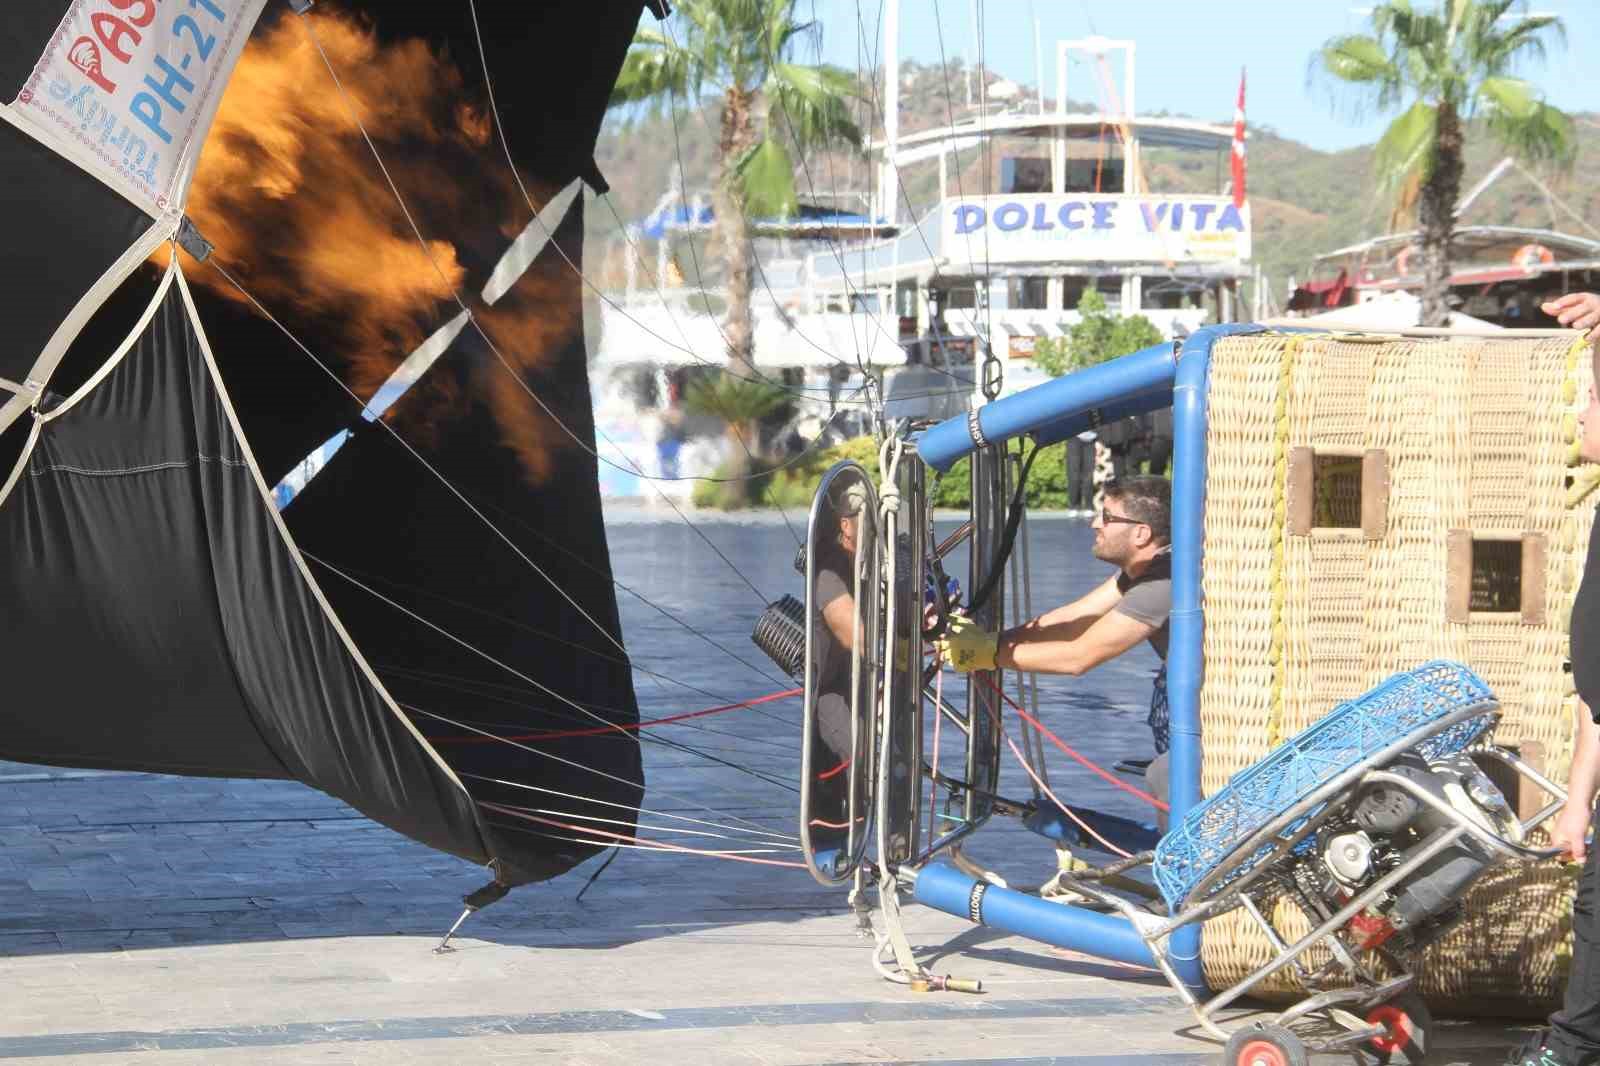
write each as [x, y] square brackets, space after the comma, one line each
[1133, 531]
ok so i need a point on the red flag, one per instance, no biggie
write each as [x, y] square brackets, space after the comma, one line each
[1238, 146]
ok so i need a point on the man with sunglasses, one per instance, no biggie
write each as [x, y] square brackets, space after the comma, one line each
[1133, 532]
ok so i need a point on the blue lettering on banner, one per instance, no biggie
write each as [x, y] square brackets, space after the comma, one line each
[1009, 217]
[1046, 216]
[98, 120]
[170, 91]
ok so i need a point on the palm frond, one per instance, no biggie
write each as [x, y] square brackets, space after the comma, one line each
[1402, 212]
[1525, 40]
[1357, 58]
[1356, 67]
[1406, 149]
[766, 180]
[1510, 99]
[733, 399]
[785, 35]
[814, 105]
[655, 71]
[1542, 134]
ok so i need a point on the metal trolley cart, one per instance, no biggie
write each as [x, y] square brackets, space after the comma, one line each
[1374, 822]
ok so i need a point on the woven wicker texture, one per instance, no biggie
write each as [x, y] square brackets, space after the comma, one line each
[1478, 435]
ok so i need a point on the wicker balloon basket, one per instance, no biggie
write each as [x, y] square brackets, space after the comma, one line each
[1422, 502]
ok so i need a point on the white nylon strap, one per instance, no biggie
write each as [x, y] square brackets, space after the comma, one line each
[294, 551]
[56, 348]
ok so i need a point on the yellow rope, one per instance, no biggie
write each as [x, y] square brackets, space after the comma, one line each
[1280, 518]
[1585, 483]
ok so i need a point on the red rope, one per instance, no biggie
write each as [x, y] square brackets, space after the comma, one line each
[1058, 742]
[604, 729]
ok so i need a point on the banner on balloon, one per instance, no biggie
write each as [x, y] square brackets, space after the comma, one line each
[127, 88]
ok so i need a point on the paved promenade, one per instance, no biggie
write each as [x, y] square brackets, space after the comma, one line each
[156, 920]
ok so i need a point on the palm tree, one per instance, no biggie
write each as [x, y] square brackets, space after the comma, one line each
[741, 49]
[1455, 62]
[741, 404]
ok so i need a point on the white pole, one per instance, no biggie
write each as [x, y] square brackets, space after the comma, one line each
[1038, 64]
[1131, 162]
[632, 264]
[891, 137]
[891, 102]
[973, 68]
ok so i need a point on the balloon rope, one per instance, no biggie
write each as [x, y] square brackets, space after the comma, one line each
[602, 730]
[1058, 742]
[776, 836]
[628, 840]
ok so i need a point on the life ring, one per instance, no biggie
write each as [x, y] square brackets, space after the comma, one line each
[1532, 255]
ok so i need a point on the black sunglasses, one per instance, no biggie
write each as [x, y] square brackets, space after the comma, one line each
[1107, 518]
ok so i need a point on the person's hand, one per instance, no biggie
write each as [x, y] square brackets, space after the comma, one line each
[1571, 826]
[1579, 310]
[967, 646]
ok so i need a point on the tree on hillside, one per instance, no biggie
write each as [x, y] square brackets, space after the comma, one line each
[742, 50]
[1453, 62]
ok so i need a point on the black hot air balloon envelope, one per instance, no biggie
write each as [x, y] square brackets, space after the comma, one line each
[213, 559]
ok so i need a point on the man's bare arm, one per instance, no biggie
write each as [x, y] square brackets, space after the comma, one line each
[1088, 607]
[840, 615]
[1582, 780]
[1042, 652]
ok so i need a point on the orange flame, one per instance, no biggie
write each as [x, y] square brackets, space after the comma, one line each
[299, 210]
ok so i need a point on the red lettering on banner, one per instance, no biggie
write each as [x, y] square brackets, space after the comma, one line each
[148, 7]
[112, 31]
[85, 55]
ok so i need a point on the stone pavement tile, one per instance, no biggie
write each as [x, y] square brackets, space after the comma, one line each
[106, 890]
[94, 939]
[140, 939]
[13, 944]
[251, 935]
[781, 1049]
[204, 905]
[23, 836]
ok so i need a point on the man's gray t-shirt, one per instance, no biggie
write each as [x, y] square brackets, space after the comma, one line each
[833, 658]
[1148, 599]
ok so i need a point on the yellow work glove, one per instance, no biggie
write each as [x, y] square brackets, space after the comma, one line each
[968, 646]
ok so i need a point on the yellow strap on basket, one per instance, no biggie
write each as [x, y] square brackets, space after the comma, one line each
[1584, 483]
[1280, 518]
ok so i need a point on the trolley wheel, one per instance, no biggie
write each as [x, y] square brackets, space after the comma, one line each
[1410, 1026]
[1265, 1045]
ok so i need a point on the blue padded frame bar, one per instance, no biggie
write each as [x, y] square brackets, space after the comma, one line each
[948, 889]
[1185, 653]
[1142, 381]
[1098, 416]
[1148, 371]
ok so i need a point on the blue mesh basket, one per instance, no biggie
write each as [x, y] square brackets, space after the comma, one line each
[1345, 738]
